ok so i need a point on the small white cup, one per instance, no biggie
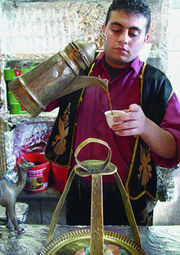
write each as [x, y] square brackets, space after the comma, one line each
[110, 116]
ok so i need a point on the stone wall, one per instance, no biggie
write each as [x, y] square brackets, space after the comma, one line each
[174, 45]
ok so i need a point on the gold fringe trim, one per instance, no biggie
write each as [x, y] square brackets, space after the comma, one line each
[136, 146]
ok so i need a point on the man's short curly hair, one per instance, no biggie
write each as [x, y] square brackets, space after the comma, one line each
[137, 7]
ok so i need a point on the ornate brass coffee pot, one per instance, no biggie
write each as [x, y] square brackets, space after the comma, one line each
[56, 77]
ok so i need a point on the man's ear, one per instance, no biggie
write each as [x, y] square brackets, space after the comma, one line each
[103, 28]
[146, 38]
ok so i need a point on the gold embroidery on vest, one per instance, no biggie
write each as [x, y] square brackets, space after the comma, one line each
[145, 169]
[59, 145]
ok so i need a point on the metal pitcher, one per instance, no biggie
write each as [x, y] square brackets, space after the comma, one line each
[55, 77]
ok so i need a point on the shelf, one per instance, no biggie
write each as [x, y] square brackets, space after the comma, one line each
[15, 119]
[49, 194]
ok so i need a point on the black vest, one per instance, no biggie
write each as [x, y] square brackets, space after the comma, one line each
[155, 92]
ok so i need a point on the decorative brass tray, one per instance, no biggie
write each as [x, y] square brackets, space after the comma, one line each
[72, 242]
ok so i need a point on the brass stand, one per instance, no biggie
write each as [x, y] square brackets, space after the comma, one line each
[96, 168]
[96, 232]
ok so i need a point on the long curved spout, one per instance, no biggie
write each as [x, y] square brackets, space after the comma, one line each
[84, 81]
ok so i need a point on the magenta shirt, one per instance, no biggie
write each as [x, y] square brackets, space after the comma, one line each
[124, 90]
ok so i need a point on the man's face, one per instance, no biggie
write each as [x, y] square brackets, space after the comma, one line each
[125, 36]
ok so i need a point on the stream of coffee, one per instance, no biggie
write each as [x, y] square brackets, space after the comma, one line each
[110, 104]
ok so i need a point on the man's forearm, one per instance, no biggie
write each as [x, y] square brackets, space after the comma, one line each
[159, 140]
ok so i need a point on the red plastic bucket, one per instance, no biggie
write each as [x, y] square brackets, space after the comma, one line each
[37, 176]
[60, 176]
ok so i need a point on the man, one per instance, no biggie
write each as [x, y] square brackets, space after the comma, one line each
[146, 135]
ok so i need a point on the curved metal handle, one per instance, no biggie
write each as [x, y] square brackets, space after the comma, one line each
[100, 165]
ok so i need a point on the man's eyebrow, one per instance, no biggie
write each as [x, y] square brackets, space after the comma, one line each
[120, 25]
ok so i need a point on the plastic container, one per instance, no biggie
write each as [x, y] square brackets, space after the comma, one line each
[14, 105]
[37, 176]
[9, 75]
[16, 108]
[60, 176]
